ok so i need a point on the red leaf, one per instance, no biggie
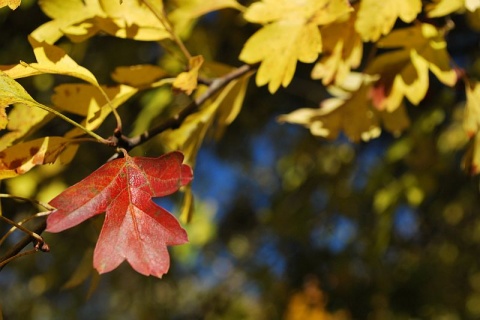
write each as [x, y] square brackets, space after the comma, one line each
[135, 228]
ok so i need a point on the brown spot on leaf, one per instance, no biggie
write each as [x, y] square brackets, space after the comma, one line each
[34, 150]
[16, 163]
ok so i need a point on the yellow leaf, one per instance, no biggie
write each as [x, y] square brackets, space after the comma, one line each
[66, 14]
[404, 72]
[343, 50]
[133, 19]
[138, 75]
[376, 18]
[11, 92]
[188, 10]
[291, 34]
[472, 5]
[351, 113]
[471, 118]
[440, 8]
[187, 81]
[12, 4]
[22, 157]
[22, 120]
[86, 100]
[82, 19]
[17, 71]
[52, 59]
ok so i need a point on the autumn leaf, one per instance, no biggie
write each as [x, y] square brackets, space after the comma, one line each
[440, 8]
[22, 157]
[189, 10]
[135, 228]
[187, 81]
[12, 4]
[291, 34]
[138, 75]
[342, 51]
[11, 92]
[404, 72]
[349, 111]
[82, 19]
[86, 100]
[53, 59]
[22, 121]
[376, 18]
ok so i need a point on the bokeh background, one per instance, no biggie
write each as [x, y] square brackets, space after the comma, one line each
[286, 226]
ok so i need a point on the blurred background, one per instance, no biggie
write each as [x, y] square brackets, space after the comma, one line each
[286, 226]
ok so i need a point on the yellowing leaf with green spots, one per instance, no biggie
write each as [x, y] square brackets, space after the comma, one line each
[342, 51]
[187, 81]
[404, 72]
[350, 112]
[376, 18]
[290, 34]
[12, 4]
[11, 92]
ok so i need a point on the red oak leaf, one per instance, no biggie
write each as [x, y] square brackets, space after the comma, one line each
[135, 228]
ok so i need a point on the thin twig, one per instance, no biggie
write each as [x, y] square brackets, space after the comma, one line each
[38, 229]
[18, 255]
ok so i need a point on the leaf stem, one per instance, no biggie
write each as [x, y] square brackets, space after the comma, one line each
[67, 119]
[114, 111]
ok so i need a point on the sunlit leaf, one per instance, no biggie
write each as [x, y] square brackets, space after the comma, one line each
[82, 19]
[291, 34]
[404, 72]
[376, 18]
[187, 81]
[12, 4]
[188, 10]
[351, 113]
[440, 8]
[52, 59]
[133, 20]
[343, 50]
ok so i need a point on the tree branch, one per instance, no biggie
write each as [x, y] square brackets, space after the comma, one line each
[215, 86]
